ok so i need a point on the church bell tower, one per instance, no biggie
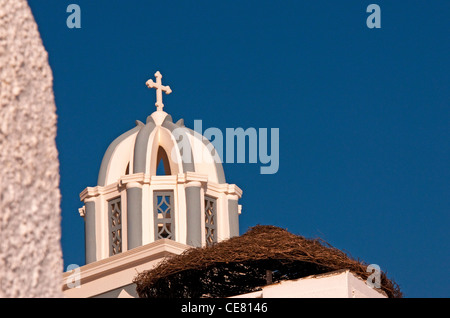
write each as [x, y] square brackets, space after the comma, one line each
[136, 202]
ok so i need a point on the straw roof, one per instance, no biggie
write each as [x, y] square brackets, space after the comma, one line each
[242, 264]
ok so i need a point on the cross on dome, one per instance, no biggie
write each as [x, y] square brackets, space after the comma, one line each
[159, 89]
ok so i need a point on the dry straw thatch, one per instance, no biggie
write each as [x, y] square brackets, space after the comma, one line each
[243, 264]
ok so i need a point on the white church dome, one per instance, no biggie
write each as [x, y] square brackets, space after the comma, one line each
[141, 149]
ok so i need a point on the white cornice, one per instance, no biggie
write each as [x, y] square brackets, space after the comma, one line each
[230, 189]
[92, 192]
[139, 179]
[192, 176]
[123, 261]
[134, 180]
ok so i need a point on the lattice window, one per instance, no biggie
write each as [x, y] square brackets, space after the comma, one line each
[115, 226]
[210, 221]
[163, 214]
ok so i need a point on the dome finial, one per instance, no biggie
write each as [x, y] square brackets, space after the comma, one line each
[159, 89]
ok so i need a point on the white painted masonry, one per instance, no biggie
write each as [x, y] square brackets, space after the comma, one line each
[339, 284]
[30, 252]
[117, 272]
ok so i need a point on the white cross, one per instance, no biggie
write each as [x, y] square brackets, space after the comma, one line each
[159, 89]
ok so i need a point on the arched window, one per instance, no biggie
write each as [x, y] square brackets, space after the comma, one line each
[163, 167]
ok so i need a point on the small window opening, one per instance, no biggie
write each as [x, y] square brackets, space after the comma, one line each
[163, 168]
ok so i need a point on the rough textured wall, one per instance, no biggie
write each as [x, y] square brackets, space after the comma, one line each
[30, 251]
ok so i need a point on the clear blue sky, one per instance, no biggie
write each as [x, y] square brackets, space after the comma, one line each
[363, 113]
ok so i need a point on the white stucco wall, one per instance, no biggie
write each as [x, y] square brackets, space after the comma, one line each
[338, 284]
[30, 252]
